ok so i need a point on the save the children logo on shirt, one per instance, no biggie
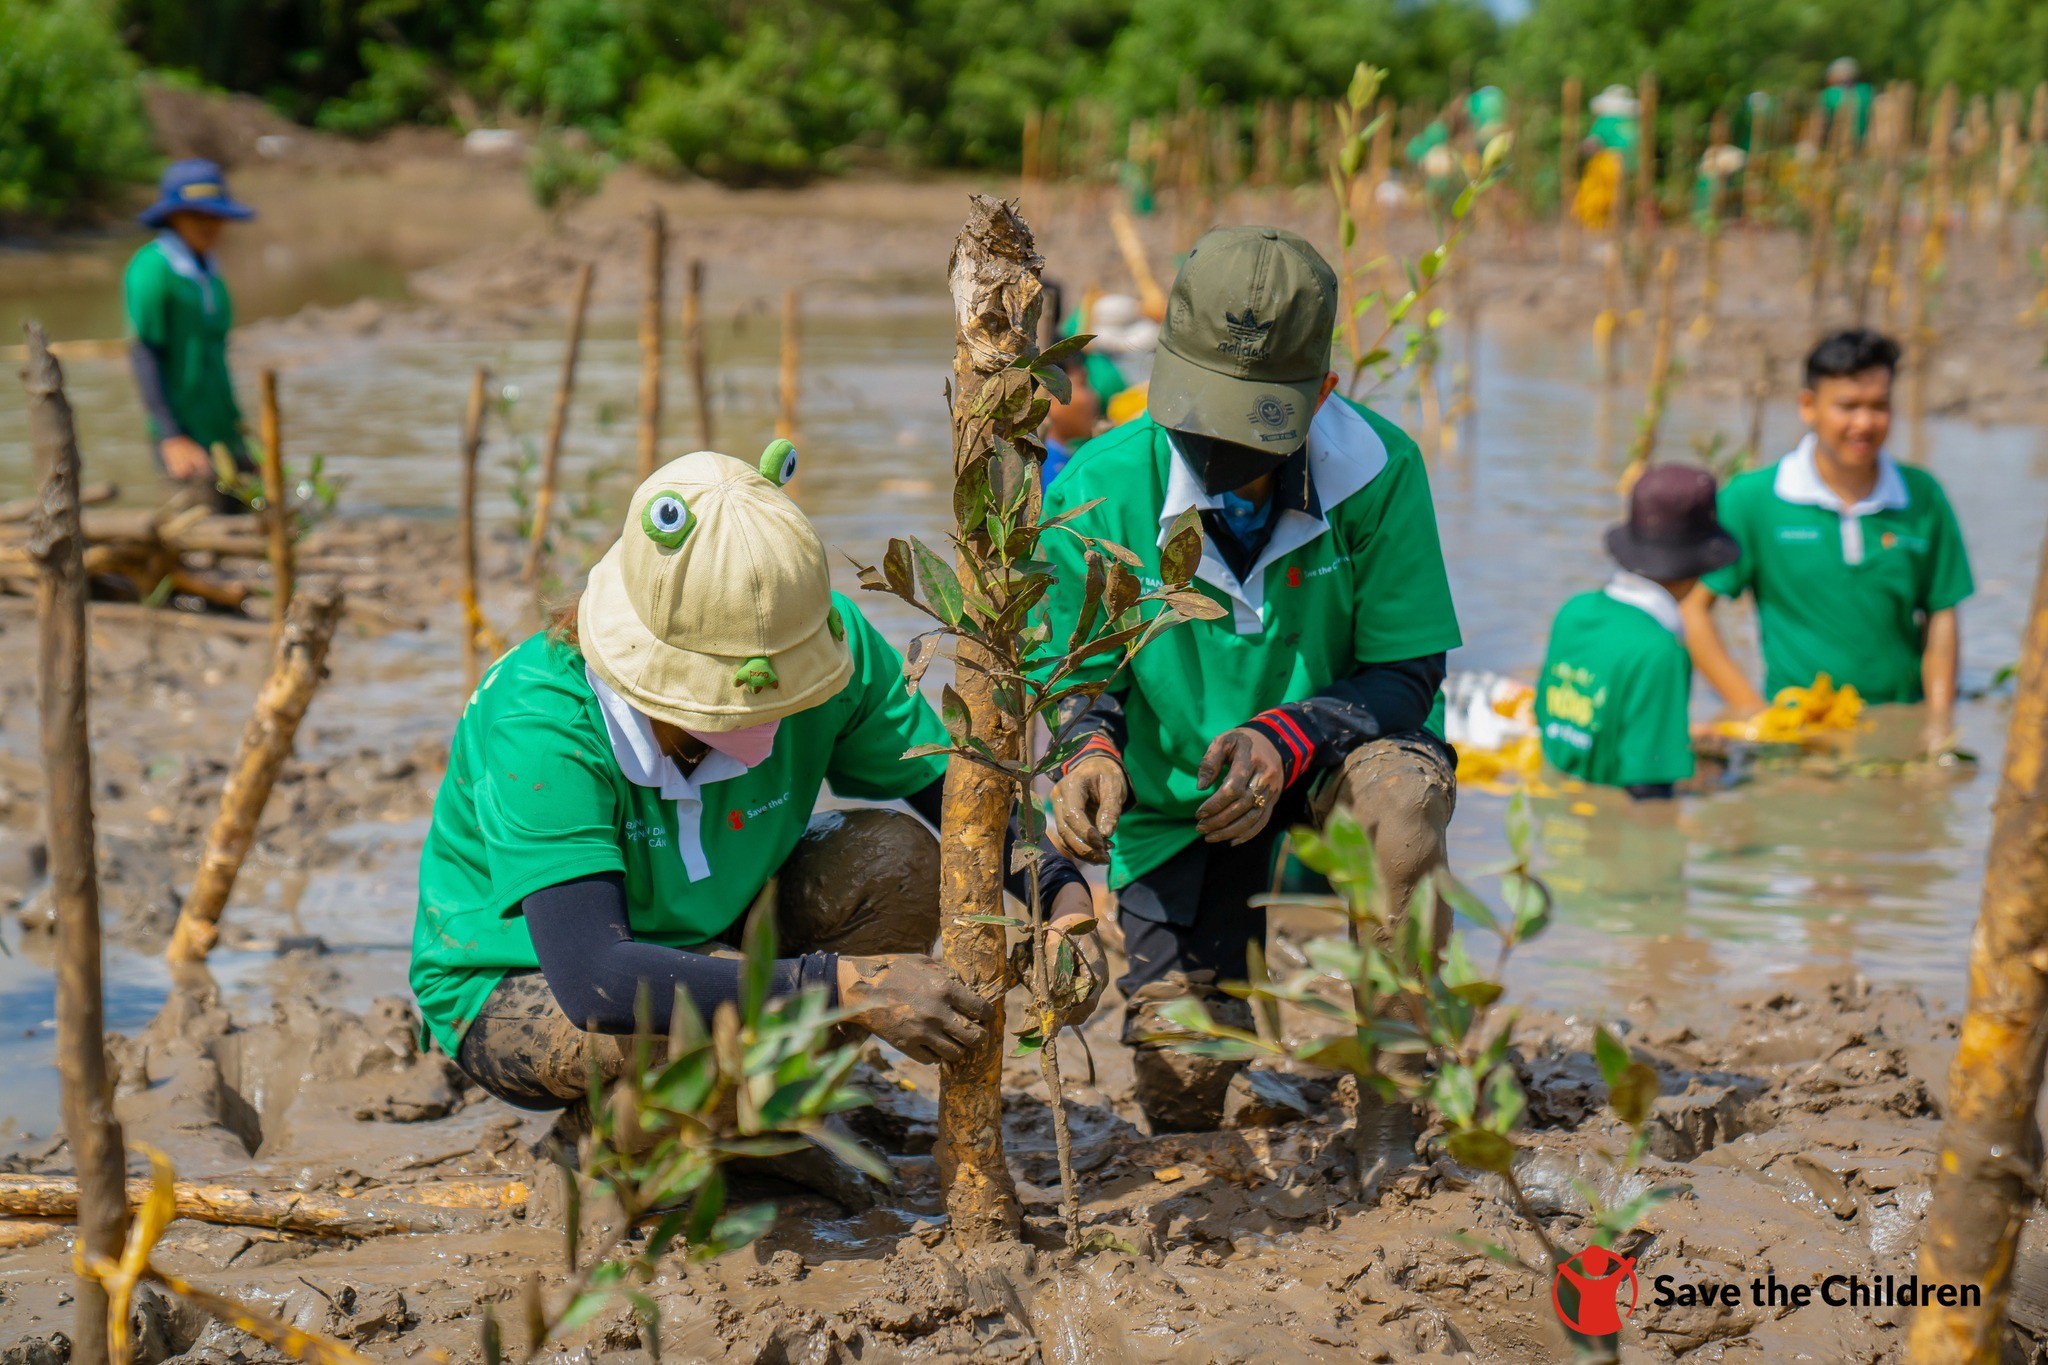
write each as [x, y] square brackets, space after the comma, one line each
[1594, 1278]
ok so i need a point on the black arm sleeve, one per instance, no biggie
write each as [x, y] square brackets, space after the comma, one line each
[1054, 871]
[1379, 699]
[149, 382]
[596, 968]
[1101, 726]
[1652, 791]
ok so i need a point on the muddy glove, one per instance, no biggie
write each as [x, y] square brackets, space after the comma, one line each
[1253, 778]
[1086, 804]
[914, 1004]
[1075, 968]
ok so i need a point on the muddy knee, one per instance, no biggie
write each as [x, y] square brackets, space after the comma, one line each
[1403, 793]
[860, 882]
[1179, 1092]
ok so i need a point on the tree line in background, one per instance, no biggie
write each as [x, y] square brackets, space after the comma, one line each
[749, 91]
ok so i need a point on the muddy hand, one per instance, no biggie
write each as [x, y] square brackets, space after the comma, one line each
[1086, 804]
[913, 1003]
[184, 458]
[1252, 780]
[1074, 955]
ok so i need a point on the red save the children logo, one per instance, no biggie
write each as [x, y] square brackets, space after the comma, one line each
[1595, 1277]
[736, 820]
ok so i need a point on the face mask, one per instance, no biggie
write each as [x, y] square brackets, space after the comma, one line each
[1222, 465]
[750, 746]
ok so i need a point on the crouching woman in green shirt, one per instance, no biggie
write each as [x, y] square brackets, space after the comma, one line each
[1612, 699]
[622, 790]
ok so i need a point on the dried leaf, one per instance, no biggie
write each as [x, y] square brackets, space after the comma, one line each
[916, 659]
[1183, 548]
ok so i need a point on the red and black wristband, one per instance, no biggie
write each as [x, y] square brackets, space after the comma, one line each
[1096, 743]
[1296, 748]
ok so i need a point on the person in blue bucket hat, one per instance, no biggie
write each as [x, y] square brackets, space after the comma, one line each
[179, 316]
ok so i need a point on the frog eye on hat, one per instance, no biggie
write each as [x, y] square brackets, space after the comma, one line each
[778, 462]
[667, 520]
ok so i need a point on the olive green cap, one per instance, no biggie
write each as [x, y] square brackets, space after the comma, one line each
[1246, 342]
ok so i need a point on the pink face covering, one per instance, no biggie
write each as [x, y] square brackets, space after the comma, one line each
[750, 746]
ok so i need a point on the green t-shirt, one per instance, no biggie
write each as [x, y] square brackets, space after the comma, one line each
[534, 796]
[1364, 585]
[184, 312]
[1611, 700]
[1823, 608]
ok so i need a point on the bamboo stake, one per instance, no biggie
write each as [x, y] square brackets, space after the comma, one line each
[1717, 195]
[996, 299]
[1647, 210]
[1933, 249]
[1984, 1175]
[55, 1196]
[558, 422]
[277, 513]
[63, 690]
[1150, 296]
[651, 340]
[1607, 326]
[1568, 173]
[2008, 184]
[1659, 383]
[693, 352]
[473, 628]
[786, 384]
[295, 673]
[1759, 396]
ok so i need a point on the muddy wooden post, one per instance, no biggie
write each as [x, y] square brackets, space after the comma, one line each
[62, 691]
[1989, 1157]
[788, 369]
[472, 609]
[1568, 172]
[693, 351]
[1657, 387]
[295, 672]
[994, 278]
[655, 292]
[1648, 208]
[277, 512]
[558, 422]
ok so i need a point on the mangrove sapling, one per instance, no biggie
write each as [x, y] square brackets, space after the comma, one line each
[1418, 346]
[1010, 673]
[1418, 1019]
[757, 1081]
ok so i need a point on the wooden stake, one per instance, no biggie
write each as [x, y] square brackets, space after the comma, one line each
[1659, 384]
[1647, 209]
[1150, 296]
[786, 384]
[558, 423]
[473, 628]
[693, 352]
[458, 1206]
[295, 673]
[277, 512]
[1984, 1175]
[1568, 173]
[651, 340]
[1759, 396]
[1717, 198]
[86, 1090]
[1933, 250]
[996, 298]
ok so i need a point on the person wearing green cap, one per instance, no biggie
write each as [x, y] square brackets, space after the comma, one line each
[622, 789]
[1317, 684]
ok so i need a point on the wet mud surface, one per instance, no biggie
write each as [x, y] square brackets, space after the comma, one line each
[1788, 952]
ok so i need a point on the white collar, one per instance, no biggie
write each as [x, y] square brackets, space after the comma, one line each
[1632, 589]
[194, 267]
[640, 757]
[1344, 455]
[1798, 480]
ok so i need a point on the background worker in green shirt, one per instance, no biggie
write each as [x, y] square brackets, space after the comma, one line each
[179, 315]
[622, 790]
[1612, 698]
[1311, 688]
[1856, 562]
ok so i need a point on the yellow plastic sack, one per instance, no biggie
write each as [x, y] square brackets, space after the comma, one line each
[1800, 715]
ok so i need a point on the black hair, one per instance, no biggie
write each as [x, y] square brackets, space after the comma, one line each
[1850, 352]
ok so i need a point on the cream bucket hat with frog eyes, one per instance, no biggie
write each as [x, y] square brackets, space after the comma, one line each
[714, 611]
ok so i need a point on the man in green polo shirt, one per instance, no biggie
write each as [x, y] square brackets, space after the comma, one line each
[1856, 562]
[179, 317]
[1612, 698]
[1314, 684]
[622, 789]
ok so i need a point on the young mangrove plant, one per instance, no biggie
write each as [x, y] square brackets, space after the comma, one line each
[1417, 1020]
[1009, 674]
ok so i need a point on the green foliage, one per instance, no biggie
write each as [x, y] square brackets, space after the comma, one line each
[564, 168]
[400, 85]
[1987, 45]
[72, 132]
[757, 1080]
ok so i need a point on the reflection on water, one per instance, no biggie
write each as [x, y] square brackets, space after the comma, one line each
[1789, 871]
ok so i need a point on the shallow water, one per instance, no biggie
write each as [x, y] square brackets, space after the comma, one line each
[1783, 874]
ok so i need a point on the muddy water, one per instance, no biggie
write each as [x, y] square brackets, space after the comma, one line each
[1785, 873]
